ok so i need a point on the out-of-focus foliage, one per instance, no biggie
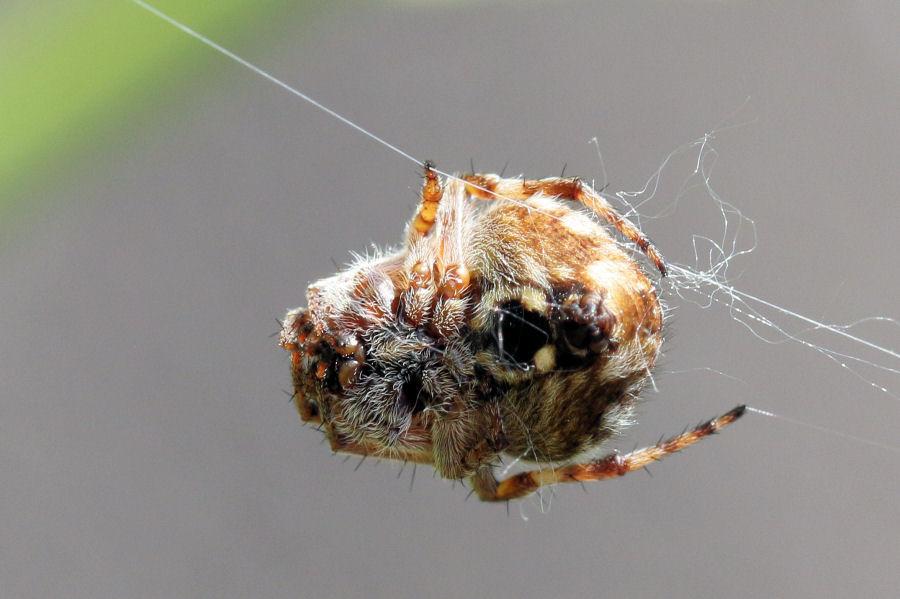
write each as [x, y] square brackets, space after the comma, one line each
[75, 75]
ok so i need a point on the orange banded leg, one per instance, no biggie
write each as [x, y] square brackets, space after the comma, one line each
[613, 465]
[431, 198]
[569, 188]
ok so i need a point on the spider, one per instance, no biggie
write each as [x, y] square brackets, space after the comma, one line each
[510, 323]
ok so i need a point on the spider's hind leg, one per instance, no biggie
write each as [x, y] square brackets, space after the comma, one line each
[520, 485]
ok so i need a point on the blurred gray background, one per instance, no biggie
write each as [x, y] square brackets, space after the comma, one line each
[147, 448]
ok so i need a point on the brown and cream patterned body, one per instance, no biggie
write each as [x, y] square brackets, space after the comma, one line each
[514, 326]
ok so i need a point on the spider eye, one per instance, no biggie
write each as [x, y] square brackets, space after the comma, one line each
[520, 333]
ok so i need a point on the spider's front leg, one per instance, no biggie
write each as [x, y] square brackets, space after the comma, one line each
[520, 485]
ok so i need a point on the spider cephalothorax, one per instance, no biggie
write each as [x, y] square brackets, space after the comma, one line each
[516, 326]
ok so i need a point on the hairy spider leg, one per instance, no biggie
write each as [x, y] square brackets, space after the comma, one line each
[520, 485]
[493, 187]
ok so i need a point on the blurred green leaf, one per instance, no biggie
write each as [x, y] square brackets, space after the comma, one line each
[75, 72]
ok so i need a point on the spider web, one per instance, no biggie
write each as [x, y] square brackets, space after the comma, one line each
[707, 282]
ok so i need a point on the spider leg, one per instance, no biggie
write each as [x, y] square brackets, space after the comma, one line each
[492, 187]
[431, 198]
[309, 411]
[420, 455]
[613, 465]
